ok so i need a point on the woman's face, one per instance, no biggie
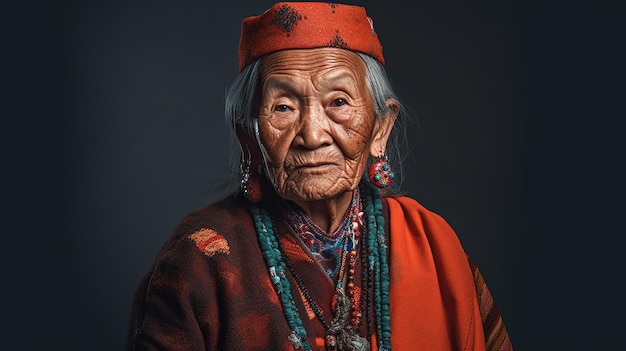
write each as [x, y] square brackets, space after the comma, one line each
[316, 122]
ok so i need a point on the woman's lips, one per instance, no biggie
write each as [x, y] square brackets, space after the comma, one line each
[312, 166]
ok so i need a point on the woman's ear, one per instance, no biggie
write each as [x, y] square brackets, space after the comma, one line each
[383, 126]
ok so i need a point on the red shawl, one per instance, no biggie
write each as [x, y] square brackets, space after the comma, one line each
[434, 299]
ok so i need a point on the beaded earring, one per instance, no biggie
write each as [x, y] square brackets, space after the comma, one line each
[250, 165]
[380, 173]
[250, 182]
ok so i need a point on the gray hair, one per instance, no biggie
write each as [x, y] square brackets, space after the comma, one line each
[240, 95]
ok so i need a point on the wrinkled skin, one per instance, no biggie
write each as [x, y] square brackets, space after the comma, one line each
[317, 126]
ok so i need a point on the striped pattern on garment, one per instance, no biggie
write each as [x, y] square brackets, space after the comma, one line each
[496, 336]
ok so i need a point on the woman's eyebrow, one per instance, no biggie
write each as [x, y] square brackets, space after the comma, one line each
[280, 83]
[338, 75]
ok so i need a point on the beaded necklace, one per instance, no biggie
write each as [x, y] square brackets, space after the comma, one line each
[338, 332]
[376, 279]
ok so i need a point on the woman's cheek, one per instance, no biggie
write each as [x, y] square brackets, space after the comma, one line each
[274, 143]
[355, 144]
[354, 130]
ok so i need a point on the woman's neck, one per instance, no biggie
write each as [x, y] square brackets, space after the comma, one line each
[328, 213]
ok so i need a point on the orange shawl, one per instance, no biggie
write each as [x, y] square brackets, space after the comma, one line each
[433, 294]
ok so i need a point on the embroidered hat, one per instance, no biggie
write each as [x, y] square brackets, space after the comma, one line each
[306, 25]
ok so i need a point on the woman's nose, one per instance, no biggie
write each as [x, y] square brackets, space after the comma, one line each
[314, 129]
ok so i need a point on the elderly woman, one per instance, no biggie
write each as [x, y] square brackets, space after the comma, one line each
[308, 254]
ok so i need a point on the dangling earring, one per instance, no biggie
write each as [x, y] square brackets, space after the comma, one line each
[250, 182]
[380, 173]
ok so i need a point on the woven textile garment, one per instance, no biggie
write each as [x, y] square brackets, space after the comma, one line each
[209, 288]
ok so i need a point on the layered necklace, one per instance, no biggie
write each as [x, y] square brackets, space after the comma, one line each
[342, 331]
[328, 249]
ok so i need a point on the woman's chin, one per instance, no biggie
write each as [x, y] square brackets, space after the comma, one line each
[314, 189]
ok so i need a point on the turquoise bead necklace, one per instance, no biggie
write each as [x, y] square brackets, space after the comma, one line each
[376, 251]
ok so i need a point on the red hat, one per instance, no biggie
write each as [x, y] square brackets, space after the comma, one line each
[306, 25]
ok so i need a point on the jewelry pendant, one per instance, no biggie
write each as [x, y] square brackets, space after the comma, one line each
[360, 343]
[331, 343]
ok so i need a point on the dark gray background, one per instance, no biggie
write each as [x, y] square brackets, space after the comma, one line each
[116, 132]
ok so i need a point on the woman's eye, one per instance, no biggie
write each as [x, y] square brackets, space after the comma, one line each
[339, 102]
[282, 108]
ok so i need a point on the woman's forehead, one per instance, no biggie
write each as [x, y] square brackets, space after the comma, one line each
[325, 63]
